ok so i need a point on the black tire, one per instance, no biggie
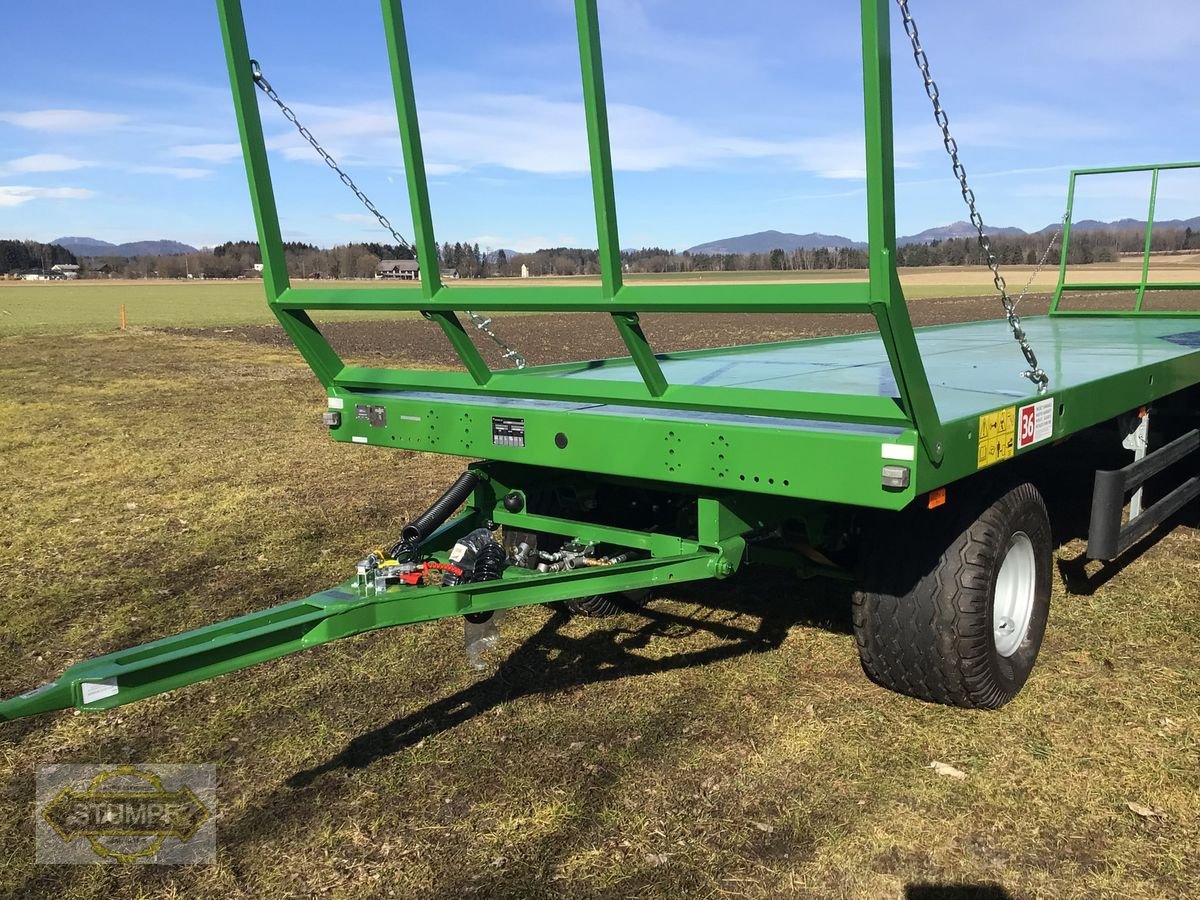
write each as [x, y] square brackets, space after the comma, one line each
[923, 619]
[598, 606]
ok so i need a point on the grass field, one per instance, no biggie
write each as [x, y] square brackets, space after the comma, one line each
[723, 743]
[95, 306]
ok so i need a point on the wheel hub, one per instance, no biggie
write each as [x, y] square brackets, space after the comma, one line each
[1016, 585]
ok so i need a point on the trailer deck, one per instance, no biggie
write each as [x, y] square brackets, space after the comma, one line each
[729, 419]
[969, 365]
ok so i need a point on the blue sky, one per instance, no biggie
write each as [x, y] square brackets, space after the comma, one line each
[116, 123]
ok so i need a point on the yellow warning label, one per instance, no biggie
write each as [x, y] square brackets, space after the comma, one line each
[996, 433]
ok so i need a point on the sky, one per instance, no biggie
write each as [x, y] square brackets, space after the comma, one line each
[116, 120]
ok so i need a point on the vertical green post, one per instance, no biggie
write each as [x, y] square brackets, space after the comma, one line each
[881, 187]
[299, 327]
[887, 296]
[414, 155]
[418, 191]
[1066, 244]
[1149, 241]
[604, 195]
[595, 106]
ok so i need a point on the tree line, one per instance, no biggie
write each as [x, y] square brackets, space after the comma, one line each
[236, 259]
[24, 256]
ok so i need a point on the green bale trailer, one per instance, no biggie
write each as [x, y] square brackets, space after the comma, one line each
[912, 461]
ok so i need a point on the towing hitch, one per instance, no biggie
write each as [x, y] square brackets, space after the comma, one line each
[445, 569]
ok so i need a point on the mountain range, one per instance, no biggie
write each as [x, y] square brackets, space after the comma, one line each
[766, 241]
[759, 242]
[86, 246]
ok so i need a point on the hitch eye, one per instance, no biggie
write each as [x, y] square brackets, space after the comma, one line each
[333, 419]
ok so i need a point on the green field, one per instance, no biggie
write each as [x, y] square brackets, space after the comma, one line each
[89, 307]
[723, 743]
[95, 306]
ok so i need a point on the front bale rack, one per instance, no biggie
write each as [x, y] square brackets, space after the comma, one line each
[905, 459]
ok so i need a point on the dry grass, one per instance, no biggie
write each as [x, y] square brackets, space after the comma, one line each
[723, 744]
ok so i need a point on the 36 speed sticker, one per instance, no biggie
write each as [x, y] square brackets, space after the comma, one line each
[1035, 423]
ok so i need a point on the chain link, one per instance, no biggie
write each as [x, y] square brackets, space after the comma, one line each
[1034, 373]
[484, 325]
[1042, 262]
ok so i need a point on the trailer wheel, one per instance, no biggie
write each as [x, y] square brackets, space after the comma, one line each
[599, 606]
[953, 608]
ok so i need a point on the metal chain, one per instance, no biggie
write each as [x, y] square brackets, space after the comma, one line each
[1042, 262]
[1034, 373]
[484, 325]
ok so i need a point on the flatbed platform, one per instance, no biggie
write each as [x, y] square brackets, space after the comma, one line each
[973, 367]
[1100, 367]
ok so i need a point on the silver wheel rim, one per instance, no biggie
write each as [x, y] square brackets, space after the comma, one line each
[1012, 606]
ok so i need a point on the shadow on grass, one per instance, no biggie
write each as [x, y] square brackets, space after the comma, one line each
[551, 662]
[1067, 489]
[1074, 571]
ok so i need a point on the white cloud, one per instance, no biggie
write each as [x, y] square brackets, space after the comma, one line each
[183, 172]
[63, 119]
[356, 218]
[438, 169]
[45, 162]
[208, 152]
[538, 135]
[15, 195]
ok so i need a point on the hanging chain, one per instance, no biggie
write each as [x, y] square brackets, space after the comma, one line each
[1042, 262]
[484, 325]
[1034, 373]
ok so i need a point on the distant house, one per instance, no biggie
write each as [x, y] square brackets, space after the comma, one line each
[403, 269]
[65, 270]
[101, 271]
[449, 273]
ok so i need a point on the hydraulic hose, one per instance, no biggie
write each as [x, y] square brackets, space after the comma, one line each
[479, 556]
[418, 530]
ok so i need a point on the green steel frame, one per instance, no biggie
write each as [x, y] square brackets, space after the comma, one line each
[880, 295]
[1145, 283]
[747, 461]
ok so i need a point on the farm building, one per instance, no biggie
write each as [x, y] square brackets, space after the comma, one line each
[65, 270]
[404, 269]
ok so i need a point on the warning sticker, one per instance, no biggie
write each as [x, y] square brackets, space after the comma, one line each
[997, 431]
[1035, 422]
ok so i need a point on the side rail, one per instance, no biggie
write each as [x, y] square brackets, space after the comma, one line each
[1146, 283]
[912, 405]
[1108, 535]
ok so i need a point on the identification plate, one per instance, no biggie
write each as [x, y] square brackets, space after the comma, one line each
[375, 416]
[508, 432]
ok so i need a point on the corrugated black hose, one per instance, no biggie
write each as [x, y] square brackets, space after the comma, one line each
[479, 556]
[419, 529]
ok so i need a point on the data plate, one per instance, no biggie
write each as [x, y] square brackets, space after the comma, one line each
[507, 432]
[375, 416]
